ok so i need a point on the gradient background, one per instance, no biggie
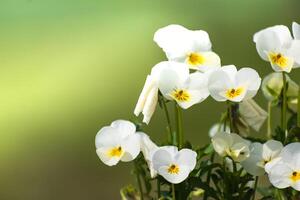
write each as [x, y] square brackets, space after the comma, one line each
[69, 67]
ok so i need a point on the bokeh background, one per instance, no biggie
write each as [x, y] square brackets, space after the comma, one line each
[69, 67]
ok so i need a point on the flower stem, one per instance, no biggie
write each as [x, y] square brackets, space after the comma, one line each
[179, 130]
[269, 132]
[229, 112]
[283, 108]
[255, 186]
[138, 180]
[169, 127]
[158, 188]
[173, 192]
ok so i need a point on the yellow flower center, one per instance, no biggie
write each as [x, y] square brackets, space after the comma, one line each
[181, 95]
[278, 59]
[295, 176]
[173, 169]
[115, 152]
[232, 93]
[195, 59]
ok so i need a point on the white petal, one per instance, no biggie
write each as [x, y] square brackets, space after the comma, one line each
[103, 155]
[163, 157]
[252, 163]
[294, 52]
[296, 30]
[287, 68]
[272, 149]
[216, 128]
[174, 40]
[198, 81]
[150, 105]
[174, 178]
[107, 136]
[131, 147]
[170, 75]
[279, 176]
[221, 141]
[218, 83]
[296, 185]
[200, 40]
[195, 97]
[250, 79]
[211, 62]
[125, 127]
[230, 70]
[186, 157]
[289, 151]
[149, 84]
[272, 163]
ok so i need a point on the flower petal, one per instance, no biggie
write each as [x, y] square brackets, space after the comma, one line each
[296, 30]
[218, 83]
[124, 127]
[107, 137]
[251, 164]
[211, 62]
[150, 105]
[131, 147]
[279, 176]
[186, 157]
[163, 156]
[174, 178]
[249, 79]
[271, 149]
[108, 160]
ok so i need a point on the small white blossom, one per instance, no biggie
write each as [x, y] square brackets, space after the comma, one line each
[187, 46]
[232, 145]
[116, 142]
[262, 157]
[227, 83]
[172, 164]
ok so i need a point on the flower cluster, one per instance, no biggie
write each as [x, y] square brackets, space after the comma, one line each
[192, 73]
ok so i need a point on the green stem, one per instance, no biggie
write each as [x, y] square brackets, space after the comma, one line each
[138, 180]
[279, 195]
[229, 112]
[173, 192]
[255, 187]
[298, 121]
[169, 127]
[283, 109]
[179, 129]
[158, 188]
[269, 132]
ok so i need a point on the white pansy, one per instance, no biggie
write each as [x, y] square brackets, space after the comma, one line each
[216, 128]
[172, 164]
[296, 30]
[116, 142]
[276, 45]
[262, 157]
[187, 46]
[175, 83]
[148, 148]
[286, 172]
[232, 145]
[228, 83]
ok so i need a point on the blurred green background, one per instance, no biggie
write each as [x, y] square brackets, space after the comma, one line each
[69, 67]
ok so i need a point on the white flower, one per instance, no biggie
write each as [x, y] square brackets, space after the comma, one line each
[216, 128]
[148, 148]
[147, 100]
[262, 157]
[116, 142]
[175, 83]
[232, 145]
[172, 164]
[286, 172]
[296, 30]
[187, 46]
[276, 45]
[227, 83]
[252, 114]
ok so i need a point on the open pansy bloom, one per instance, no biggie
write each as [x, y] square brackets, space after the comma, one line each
[227, 83]
[187, 46]
[116, 142]
[231, 145]
[177, 84]
[262, 157]
[286, 172]
[276, 45]
[172, 164]
[148, 148]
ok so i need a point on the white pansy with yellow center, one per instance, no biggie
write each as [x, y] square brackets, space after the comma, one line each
[276, 45]
[116, 142]
[172, 164]
[227, 83]
[286, 172]
[187, 46]
[232, 145]
[175, 83]
[148, 148]
[262, 157]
